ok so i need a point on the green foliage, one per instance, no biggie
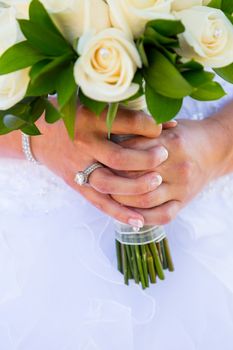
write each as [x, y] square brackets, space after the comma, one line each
[19, 56]
[22, 116]
[160, 107]
[224, 5]
[68, 112]
[209, 91]
[111, 116]
[165, 78]
[52, 115]
[95, 107]
[65, 85]
[226, 73]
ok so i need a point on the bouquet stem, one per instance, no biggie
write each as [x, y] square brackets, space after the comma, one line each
[142, 263]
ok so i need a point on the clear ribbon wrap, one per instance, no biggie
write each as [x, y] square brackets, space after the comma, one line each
[127, 234]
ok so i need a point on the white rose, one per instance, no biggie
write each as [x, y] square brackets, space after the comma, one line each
[75, 17]
[137, 105]
[179, 5]
[208, 37]
[12, 86]
[107, 65]
[21, 6]
[131, 16]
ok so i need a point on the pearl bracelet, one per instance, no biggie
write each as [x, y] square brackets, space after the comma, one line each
[26, 145]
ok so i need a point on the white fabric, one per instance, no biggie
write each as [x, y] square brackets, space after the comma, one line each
[59, 287]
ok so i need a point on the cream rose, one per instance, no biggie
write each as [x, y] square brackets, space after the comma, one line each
[107, 65]
[208, 37]
[179, 5]
[12, 86]
[131, 16]
[75, 17]
[21, 7]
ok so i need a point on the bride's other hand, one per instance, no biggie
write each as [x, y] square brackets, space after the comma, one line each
[65, 158]
[198, 153]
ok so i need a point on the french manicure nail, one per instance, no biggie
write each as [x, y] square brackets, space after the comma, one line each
[156, 181]
[163, 154]
[135, 223]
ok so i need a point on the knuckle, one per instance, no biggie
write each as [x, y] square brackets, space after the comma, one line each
[178, 140]
[186, 170]
[138, 121]
[81, 141]
[102, 184]
[146, 201]
[115, 159]
[168, 214]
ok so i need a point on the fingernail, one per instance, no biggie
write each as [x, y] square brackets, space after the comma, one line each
[156, 181]
[163, 154]
[136, 223]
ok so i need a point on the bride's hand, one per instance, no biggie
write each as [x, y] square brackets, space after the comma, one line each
[66, 158]
[196, 153]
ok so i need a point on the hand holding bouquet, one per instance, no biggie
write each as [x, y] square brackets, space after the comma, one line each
[108, 54]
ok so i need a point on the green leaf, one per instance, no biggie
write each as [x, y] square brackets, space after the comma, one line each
[111, 116]
[230, 17]
[153, 37]
[19, 56]
[3, 129]
[43, 85]
[227, 6]
[52, 115]
[38, 67]
[69, 115]
[167, 28]
[210, 91]
[31, 130]
[37, 108]
[216, 4]
[66, 85]
[198, 77]
[142, 52]
[162, 108]
[46, 77]
[95, 107]
[190, 65]
[165, 78]
[42, 69]
[39, 15]
[226, 73]
[47, 42]
[13, 122]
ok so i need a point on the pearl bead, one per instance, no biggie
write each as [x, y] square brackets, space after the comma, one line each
[104, 53]
[218, 32]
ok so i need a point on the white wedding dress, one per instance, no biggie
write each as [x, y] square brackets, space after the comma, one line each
[59, 286]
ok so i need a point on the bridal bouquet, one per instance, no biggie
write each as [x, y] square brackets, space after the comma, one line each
[140, 54]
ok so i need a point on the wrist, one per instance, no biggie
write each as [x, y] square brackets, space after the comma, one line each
[218, 150]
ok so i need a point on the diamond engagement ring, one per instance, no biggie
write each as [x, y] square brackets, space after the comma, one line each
[82, 177]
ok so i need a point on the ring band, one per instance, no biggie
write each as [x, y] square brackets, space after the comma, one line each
[82, 177]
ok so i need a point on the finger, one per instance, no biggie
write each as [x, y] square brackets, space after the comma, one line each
[161, 215]
[105, 181]
[141, 143]
[169, 125]
[110, 207]
[161, 195]
[117, 157]
[133, 122]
